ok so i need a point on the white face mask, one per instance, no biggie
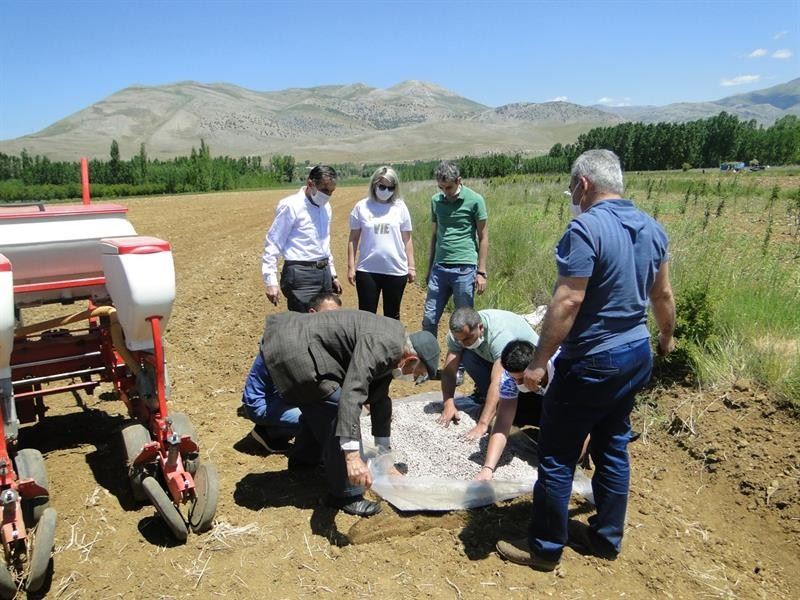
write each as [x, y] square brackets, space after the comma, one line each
[574, 208]
[523, 388]
[320, 198]
[383, 195]
[475, 344]
[397, 373]
[400, 376]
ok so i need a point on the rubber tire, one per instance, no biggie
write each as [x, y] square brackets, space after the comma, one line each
[8, 587]
[134, 436]
[206, 487]
[30, 465]
[165, 508]
[40, 556]
[182, 425]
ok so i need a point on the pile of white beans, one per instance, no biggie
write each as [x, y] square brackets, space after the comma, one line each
[430, 450]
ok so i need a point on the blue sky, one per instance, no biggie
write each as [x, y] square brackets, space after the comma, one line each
[59, 57]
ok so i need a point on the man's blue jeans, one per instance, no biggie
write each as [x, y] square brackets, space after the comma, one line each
[265, 405]
[457, 281]
[591, 394]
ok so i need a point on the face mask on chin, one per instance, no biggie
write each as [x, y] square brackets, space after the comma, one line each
[523, 389]
[475, 344]
[454, 197]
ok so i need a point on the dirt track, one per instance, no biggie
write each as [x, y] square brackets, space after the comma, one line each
[714, 512]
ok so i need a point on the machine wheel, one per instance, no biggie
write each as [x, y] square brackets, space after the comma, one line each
[183, 426]
[206, 488]
[42, 549]
[165, 508]
[30, 465]
[134, 437]
[8, 587]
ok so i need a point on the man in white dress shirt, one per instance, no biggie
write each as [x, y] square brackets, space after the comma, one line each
[301, 234]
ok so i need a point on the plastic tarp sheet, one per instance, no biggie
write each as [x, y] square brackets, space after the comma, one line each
[432, 493]
[438, 494]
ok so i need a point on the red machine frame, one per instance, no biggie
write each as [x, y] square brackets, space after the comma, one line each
[49, 359]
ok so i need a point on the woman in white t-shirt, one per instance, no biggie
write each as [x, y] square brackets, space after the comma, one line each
[380, 233]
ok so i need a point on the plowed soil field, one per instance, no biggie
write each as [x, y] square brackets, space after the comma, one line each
[714, 509]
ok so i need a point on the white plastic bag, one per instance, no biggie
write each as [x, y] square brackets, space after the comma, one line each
[438, 494]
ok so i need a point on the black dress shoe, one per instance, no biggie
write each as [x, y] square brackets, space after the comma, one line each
[354, 505]
[270, 443]
[584, 540]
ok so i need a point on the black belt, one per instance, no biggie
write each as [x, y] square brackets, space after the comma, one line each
[317, 264]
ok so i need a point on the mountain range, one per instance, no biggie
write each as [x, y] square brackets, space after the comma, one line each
[411, 120]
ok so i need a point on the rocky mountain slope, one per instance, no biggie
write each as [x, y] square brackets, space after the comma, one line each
[411, 120]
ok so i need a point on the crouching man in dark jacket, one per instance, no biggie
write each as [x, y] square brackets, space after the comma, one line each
[329, 365]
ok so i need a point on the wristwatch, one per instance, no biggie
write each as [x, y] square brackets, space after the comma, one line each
[482, 274]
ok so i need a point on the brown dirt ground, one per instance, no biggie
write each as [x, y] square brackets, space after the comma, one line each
[714, 508]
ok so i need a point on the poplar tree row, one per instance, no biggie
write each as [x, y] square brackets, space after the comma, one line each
[703, 143]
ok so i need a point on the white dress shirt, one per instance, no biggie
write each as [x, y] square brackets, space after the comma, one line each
[301, 231]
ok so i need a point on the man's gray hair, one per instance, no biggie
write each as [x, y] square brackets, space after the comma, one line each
[321, 172]
[602, 168]
[447, 171]
[390, 175]
[464, 316]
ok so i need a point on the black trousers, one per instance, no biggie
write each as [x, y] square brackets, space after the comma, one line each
[370, 286]
[318, 435]
[300, 283]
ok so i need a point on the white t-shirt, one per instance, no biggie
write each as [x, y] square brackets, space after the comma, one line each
[381, 248]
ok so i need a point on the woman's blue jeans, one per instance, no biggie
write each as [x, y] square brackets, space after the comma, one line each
[593, 395]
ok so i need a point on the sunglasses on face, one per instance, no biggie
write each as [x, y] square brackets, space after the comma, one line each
[383, 188]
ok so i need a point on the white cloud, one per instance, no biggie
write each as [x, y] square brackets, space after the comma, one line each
[782, 53]
[559, 99]
[608, 101]
[758, 53]
[740, 80]
[780, 34]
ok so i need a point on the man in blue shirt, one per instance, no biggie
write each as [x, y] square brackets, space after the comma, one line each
[612, 262]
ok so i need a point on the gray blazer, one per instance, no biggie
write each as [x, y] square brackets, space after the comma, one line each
[310, 355]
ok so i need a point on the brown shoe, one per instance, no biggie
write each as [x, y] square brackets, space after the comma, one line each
[519, 551]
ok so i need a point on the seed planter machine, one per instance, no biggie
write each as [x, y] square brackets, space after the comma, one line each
[89, 253]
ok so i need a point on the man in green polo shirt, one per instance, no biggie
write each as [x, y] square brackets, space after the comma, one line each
[476, 340]
[459, 246]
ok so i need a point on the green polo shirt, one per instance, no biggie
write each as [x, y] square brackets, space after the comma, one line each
[456, 227]
[499, 328]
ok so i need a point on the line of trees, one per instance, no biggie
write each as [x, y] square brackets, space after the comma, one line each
[26, 177]
[702, 143]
